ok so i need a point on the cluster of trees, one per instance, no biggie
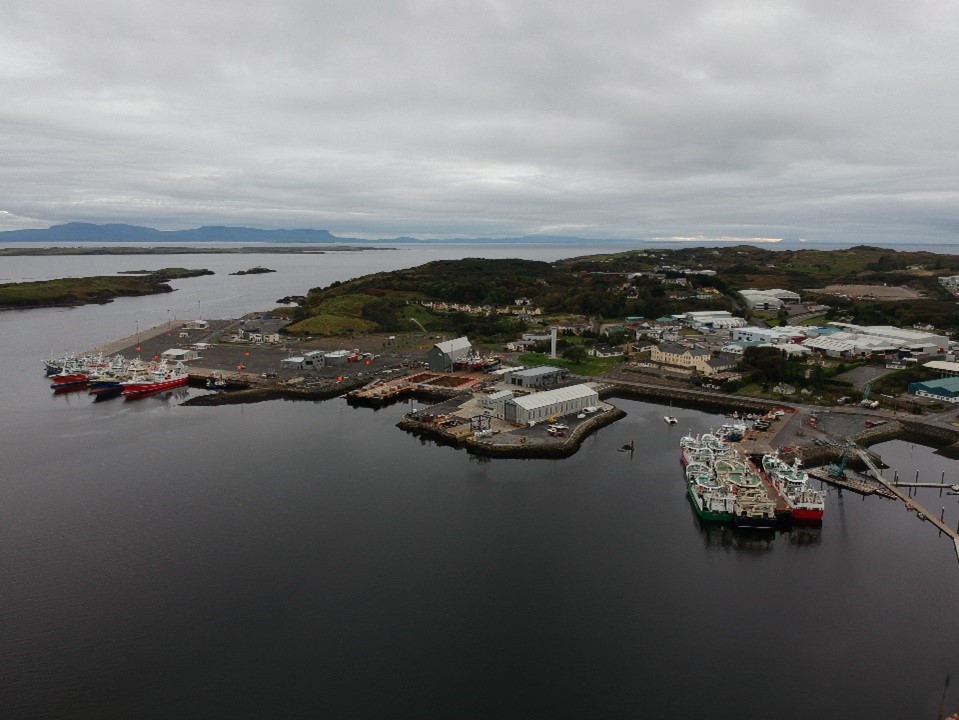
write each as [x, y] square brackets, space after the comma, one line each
[901, 313]
[769, 366]
[597, 286]
[499, 283]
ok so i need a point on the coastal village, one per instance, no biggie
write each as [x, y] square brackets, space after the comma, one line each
[493, 402]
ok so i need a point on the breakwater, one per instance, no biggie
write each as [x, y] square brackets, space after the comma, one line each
[274, 391]
[515, 443]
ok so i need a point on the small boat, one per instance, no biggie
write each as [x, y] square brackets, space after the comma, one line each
[669, 418]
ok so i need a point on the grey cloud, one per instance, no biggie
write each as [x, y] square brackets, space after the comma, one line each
[830, 121]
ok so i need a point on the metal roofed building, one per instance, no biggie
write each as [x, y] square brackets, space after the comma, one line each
[715, 319]
[917, 341]
[531, 409]
[537, 376]
[494, 403]
[768, 299]
[180, 354]
[312, 360]
[946, 389]
[857, 341]
[752, 333]
[832, 345]
[943, 368]
[443, 355]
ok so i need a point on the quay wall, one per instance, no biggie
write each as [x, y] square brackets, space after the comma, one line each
[275, 391]
[694, 399]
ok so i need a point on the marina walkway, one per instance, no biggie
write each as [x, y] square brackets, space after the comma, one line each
[910, 502]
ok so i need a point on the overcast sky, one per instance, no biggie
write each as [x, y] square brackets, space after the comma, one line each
[815, 119]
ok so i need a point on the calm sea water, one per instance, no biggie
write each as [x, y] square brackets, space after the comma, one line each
[299, 559]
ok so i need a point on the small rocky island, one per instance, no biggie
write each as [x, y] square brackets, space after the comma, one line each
[253, 271]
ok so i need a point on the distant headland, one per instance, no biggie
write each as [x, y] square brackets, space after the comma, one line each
[123, 233]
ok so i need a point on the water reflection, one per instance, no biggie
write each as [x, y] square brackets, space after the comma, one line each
[804, 536]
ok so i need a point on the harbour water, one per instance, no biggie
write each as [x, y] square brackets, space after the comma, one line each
[300, 559]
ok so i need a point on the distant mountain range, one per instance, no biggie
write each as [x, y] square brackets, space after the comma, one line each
[116, 232]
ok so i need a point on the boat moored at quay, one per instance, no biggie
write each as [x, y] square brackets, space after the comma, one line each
[160, 379]
[65, 379]
[806, 504]
[724, 485]
[710, 498]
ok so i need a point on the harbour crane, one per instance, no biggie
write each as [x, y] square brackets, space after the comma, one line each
[849, 449]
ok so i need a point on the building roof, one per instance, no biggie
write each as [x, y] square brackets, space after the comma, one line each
[942, 365]
[947, 387]
[699, 314]
[829, 343]
[538, 371]
[723, 358]
[674, 348]
[450, 346]
[901, 336]
[549, 397]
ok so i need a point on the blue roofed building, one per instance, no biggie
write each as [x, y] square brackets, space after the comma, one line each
[945, 389]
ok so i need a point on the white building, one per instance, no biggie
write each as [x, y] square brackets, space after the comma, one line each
[338, 357]
[312, 360]
[943, 368]
[916, 341]
[714, 319]
[495, 403]
[179, 355]
[531, 409]
[774, 335]
[768, 299]
[832, 346]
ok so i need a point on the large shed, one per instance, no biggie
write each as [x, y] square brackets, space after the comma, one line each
[946, 389]
[531, 409]
[312, 360]
[495, 403]
[442, 356]
[537, 376]
[180, 354]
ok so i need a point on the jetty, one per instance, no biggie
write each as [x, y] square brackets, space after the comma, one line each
[910, 502]
[856, 484]
[384, 391]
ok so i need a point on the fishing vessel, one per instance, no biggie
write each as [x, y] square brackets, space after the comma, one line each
[723, 484]
[162, 378]
[65, 379]
[755, 503]
[806, 504]
[709, 497]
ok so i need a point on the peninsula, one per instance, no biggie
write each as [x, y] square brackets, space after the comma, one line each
[84, 290]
